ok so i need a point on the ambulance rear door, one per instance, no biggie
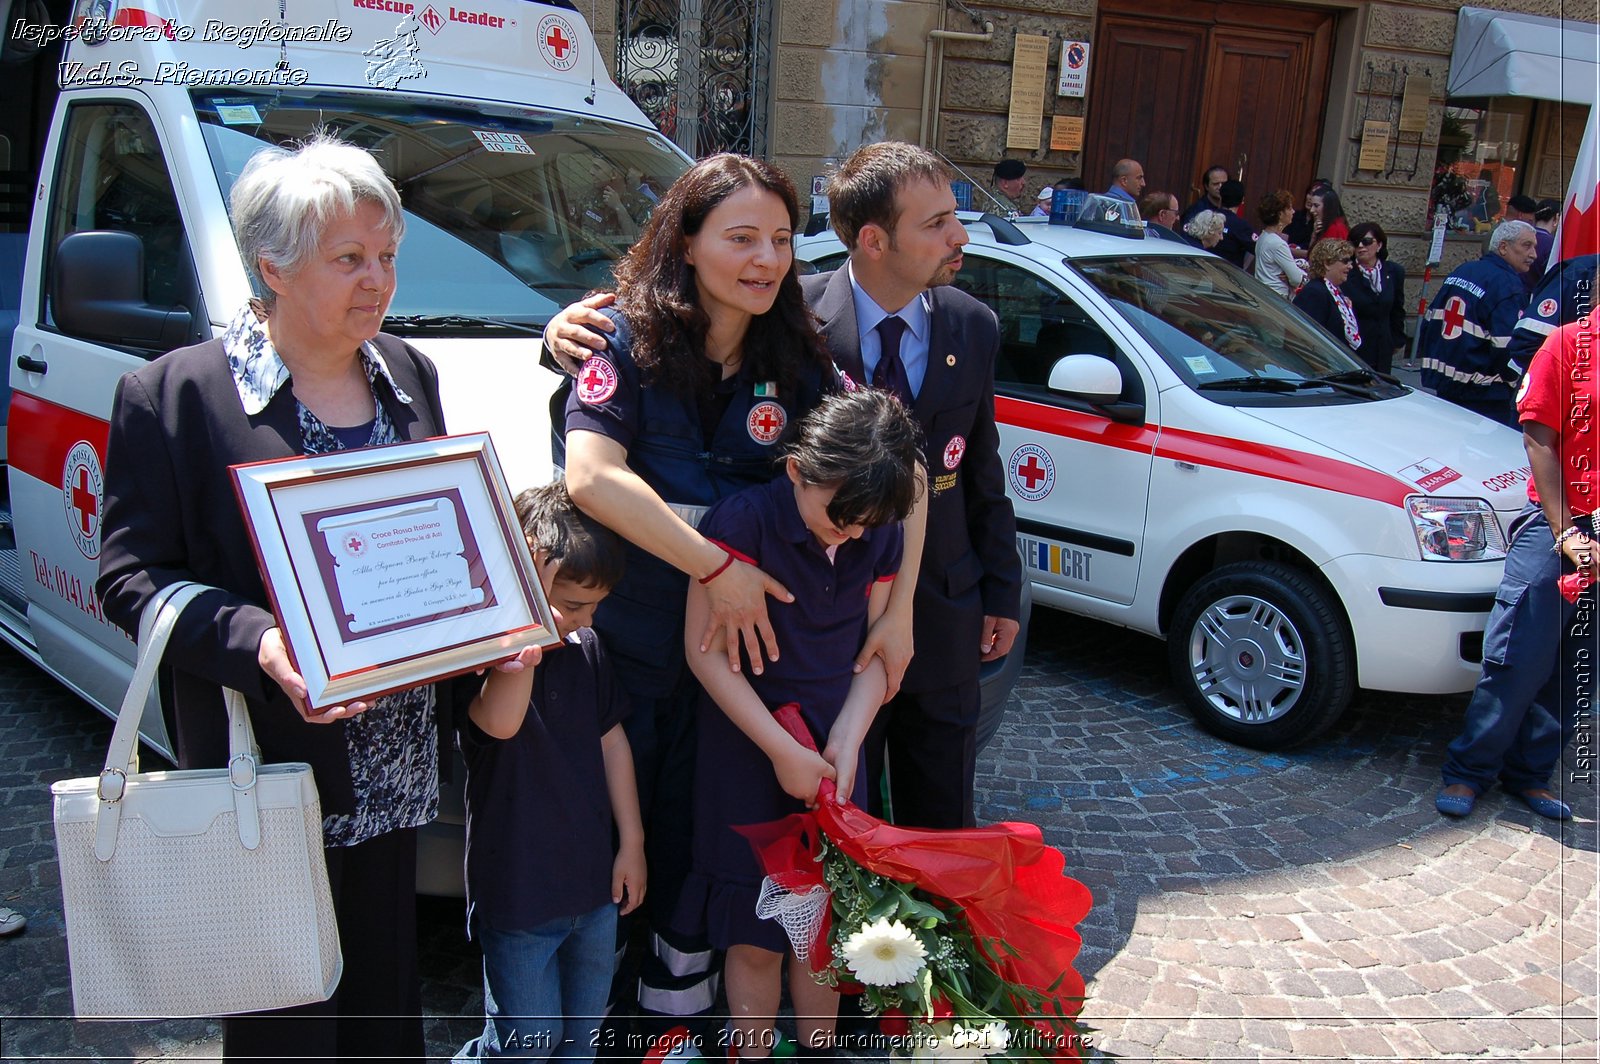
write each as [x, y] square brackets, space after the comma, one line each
[111, 283]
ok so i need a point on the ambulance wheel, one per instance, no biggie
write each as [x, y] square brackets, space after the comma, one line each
[1262, 655]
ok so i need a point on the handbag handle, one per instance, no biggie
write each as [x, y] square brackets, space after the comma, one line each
[156, 622]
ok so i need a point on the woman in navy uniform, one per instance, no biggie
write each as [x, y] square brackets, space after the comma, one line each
[714, 358]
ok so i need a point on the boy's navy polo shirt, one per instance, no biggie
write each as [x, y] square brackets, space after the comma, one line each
[820, 632]
[538, 813]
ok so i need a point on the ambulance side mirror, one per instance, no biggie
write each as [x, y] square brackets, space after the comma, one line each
[97, 292]
[1097, 381]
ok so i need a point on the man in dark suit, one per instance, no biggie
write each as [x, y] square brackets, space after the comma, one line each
[890, 319]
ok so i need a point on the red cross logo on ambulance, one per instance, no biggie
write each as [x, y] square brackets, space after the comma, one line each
[557, 42]
[1031, 472]
[1455, 316]
[82, 492]
[597, 381]
[953, 451]
[1547, 308]
[766, 422]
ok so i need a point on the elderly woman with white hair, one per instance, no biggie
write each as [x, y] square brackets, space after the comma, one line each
[1205, 229]
[302, 370]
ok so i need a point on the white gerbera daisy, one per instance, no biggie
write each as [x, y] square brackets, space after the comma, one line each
[884, 953]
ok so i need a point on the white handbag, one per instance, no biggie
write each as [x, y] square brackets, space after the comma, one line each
[198, 892]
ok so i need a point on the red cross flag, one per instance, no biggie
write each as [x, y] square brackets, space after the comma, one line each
[1579, 233]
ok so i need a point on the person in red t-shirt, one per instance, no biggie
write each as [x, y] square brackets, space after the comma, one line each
[1540, 648]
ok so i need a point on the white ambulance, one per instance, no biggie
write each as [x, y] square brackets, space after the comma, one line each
[1191, 457]
[524, 172]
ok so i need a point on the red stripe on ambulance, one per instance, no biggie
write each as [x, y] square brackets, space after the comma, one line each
[1203, 449]
[40, 434]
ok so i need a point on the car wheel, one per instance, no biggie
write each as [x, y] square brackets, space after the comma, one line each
[1262, 655]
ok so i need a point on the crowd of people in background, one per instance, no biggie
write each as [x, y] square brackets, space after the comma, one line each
[1339, 273]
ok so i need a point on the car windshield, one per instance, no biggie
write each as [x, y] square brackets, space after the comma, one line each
[511, 212]
[1217, 327]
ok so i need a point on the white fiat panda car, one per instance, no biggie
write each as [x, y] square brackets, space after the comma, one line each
[1191, 457]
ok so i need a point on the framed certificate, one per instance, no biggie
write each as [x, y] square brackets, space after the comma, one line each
[391, 567]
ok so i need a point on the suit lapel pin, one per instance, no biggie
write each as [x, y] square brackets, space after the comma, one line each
[949, 360]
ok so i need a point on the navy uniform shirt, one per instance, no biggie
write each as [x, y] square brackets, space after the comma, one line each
[538, 812]
[1562, 296]
[823, 629]
[667, 447]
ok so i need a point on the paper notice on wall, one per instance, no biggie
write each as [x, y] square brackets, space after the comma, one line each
[1025, 119]
[1066, 133]
[1414, 103]
[1374, 146]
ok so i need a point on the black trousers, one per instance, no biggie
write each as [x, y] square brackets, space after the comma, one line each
[930, 739]
[376, 1012]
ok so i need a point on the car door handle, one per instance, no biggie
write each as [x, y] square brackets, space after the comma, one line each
[32, 365]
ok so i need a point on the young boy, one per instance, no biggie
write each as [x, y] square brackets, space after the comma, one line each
[548, 773]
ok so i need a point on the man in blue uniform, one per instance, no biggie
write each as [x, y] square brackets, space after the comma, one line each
[1565, 295]
[1467, 329]
[890, 318]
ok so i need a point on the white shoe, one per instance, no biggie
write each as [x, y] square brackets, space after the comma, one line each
[11, 921]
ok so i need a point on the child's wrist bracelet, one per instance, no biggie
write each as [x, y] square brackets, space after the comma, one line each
[719, 570]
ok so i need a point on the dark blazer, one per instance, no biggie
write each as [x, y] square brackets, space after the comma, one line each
[171, 514]
[1317, 302]
[970, 567]
[1380, 315]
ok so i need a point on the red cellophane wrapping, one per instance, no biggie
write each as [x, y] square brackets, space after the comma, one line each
[1009, 884]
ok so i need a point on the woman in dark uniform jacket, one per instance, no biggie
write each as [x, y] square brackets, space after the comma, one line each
[1321, 297]
[302, 370]
[1376, 287]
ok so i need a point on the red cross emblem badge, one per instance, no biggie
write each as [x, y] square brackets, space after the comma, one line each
[1547, 308]
[597, 381]
[1454, 316]
[82, 492]
[953, 452]
[1031, 472]
[766, 422]
[558, 43]
[847, 382]
[354, 544]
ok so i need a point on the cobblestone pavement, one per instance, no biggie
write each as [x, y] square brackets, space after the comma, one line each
[1301, 906]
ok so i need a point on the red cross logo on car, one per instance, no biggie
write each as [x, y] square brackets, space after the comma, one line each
[558, 43]
[1032, 472]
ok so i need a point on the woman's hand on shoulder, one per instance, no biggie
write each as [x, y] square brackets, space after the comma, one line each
[571, 336]
[273, 657]
[738, 599]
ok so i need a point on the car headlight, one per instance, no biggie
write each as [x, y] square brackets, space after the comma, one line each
[1456, 530]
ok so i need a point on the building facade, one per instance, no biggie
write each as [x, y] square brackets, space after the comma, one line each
[1279, 92]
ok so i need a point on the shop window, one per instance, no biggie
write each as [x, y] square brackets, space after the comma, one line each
[1482, 154]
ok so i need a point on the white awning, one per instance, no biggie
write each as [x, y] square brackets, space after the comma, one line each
[1499, 53]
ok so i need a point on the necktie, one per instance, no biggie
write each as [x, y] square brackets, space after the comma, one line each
[890, 373]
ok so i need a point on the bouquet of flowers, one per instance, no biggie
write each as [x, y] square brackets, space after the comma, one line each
[962, 941]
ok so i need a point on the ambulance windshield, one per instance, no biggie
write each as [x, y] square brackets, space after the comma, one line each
[511, 213]
[1223, 332]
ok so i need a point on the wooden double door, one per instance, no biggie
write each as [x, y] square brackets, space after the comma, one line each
[1184, 84]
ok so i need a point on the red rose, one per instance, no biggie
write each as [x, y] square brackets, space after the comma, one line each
[894, 1023]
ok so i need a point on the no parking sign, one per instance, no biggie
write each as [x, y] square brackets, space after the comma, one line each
[1074, 69]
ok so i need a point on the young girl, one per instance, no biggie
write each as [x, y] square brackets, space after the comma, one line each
[829, 530]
